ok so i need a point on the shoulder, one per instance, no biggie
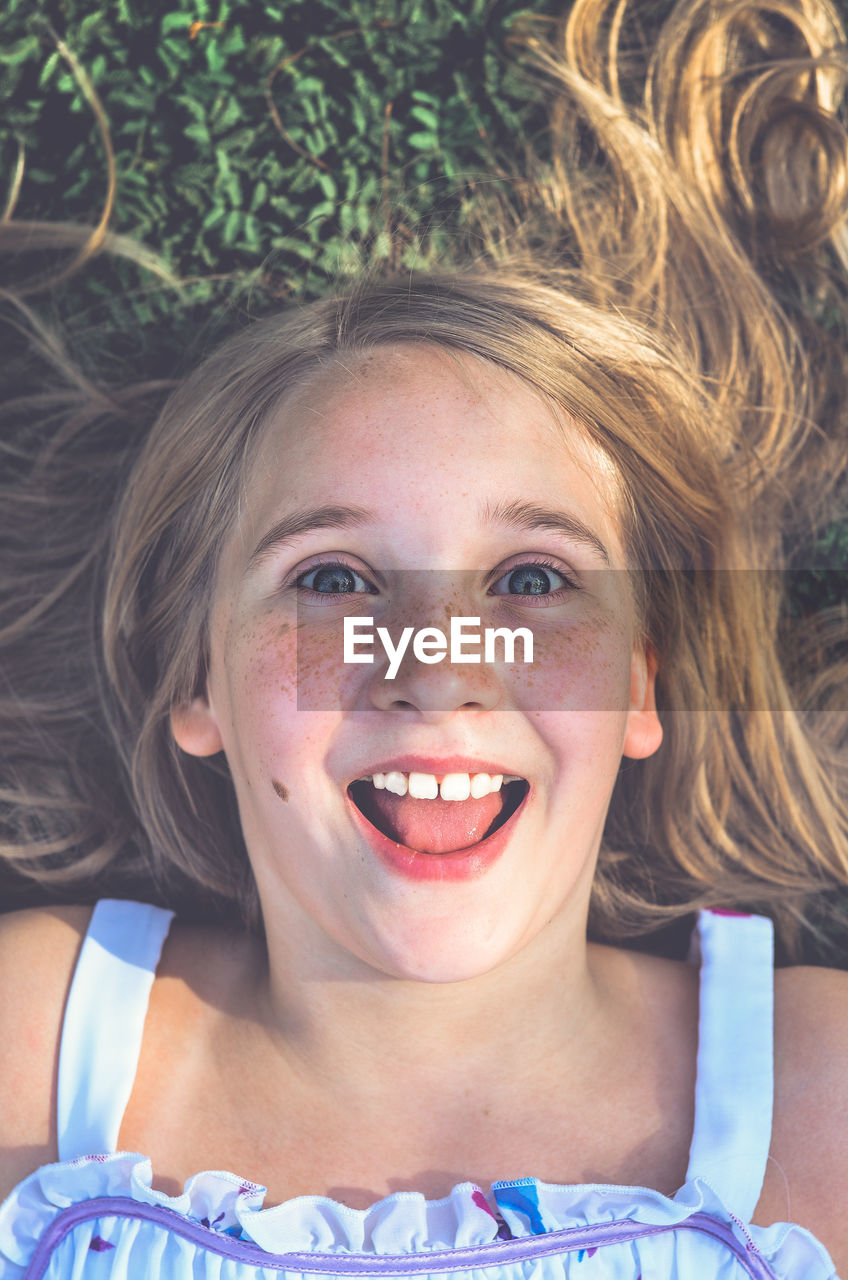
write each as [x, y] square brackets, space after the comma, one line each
[811, 996]
[38, 952]
[811, 1041]
[808, 1167]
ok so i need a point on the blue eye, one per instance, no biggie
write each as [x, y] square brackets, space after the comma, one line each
[533, 579]
[333, 579]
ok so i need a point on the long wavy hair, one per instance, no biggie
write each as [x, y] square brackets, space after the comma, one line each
[672, 276]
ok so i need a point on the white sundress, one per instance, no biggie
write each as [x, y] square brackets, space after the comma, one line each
[94, 1214]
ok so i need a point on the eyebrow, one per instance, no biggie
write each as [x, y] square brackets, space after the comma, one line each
[529, 517]
[300, 522]
[526, 516]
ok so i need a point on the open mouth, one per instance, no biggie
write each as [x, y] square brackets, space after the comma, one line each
[438, 817]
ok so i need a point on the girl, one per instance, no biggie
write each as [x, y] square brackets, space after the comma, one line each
[410, 1058]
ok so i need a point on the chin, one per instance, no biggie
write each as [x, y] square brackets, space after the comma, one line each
[442, 955]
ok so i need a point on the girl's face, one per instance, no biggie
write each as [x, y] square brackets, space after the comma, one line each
[414, 488]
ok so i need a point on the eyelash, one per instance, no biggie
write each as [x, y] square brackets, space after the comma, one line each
[338, 561]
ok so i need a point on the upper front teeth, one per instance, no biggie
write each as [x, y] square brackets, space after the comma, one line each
[454, 786]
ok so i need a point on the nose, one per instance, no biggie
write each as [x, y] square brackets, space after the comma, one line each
[435, 690]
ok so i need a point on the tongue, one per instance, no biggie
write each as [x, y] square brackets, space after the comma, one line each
[434, 826]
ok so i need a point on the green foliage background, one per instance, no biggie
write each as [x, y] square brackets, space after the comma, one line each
[262, 143]
[264, 149]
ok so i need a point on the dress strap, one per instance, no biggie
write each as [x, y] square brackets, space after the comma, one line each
[735, 1084]
[104, 1023]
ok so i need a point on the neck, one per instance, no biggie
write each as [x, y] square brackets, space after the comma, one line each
[359, 1031]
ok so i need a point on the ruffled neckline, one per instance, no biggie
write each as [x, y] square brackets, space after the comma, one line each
[402, 1223]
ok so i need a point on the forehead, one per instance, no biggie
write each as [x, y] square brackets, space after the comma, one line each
[410, 429]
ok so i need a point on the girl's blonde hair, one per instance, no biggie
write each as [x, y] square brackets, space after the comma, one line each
[672, 278]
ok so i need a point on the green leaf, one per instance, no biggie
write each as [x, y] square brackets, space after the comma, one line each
[176, 22]
[309, 84]
[360, 122]
[48, 69]
[327, 183]
[232, 227]
[364, 218]
[197, 132]
[315, 141]
[15, 54]
[233, 41]
[215, 56]
[233, 190]
[227, 112]
[250, 233]
[346, 219]
[197, 109]
[92, 24]
[426, 117]
[167, 55]
[297, 247]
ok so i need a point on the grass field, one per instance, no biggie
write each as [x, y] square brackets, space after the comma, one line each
[262, 144]
[263, 151]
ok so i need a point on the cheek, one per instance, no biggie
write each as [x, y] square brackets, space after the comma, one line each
[264, 655]
[254, 688]
[285, 666]
[272, 671]
[322, 681]
[582, 665]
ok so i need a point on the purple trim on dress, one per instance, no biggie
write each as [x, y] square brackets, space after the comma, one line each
[422, 1263]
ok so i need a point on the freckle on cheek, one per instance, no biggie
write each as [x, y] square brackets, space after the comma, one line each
[282, 792]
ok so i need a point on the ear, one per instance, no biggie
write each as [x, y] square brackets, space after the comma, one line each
[195, 728]
[644, 731]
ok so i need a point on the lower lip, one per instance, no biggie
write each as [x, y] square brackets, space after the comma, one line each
[463, 864]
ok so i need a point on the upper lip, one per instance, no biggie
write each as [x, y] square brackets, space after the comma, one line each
[438, 766]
